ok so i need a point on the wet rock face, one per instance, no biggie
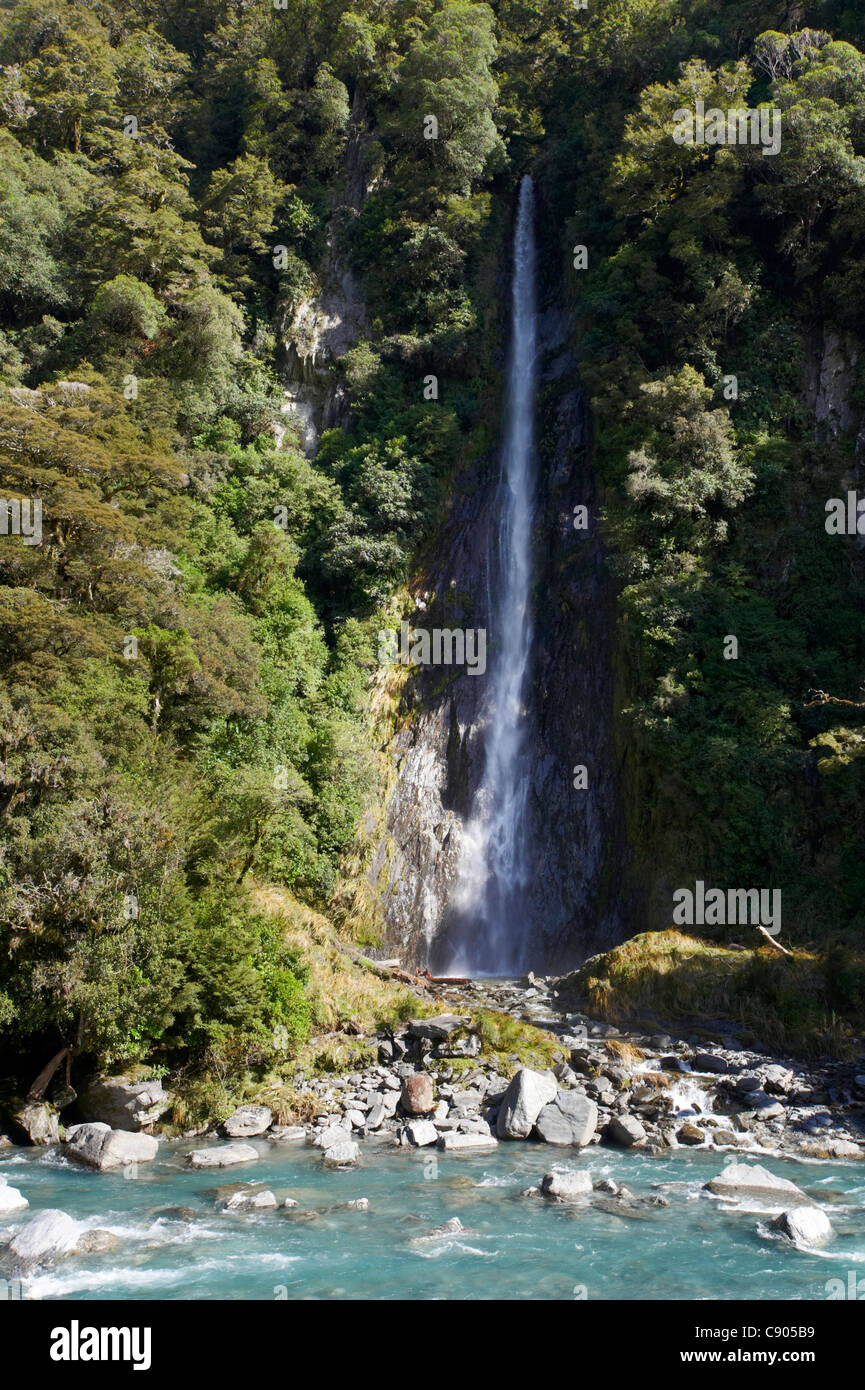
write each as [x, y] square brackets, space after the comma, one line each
[576, 837]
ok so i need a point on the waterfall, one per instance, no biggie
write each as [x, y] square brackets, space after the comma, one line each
[489, 903]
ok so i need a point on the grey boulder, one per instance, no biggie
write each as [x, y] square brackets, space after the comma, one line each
[529, 1091]
[453, 1142]
[329, 1136]
[263, 1200]
[100, 1146]
[564, 1185]
[248, 1121]
[37, 1122]
[421, 1132]
[124, 1102]
[752, 1180]
[344, 1155]
[223, 1156]
[626, 1131]
[569, 1119]
[438, 1029]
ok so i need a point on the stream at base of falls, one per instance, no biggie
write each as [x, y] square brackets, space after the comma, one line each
[510, 1247]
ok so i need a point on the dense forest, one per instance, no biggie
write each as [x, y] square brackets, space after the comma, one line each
[187, 655]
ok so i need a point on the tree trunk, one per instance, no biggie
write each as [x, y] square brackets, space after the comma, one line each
[39, 1086]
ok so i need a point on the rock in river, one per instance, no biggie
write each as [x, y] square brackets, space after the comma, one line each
[452, 1142]
[806, 1226]
[751, 1180]
[421, 1132]
[343, 1155]
[222, 1156]
[100, 1146]
[564, 1185]
[523, 1101]
[47, 1236]
[569, 1119]
[11, 1199]
[625, 1130]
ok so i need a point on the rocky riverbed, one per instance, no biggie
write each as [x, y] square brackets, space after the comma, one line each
[433, 1089]
[605, 1085]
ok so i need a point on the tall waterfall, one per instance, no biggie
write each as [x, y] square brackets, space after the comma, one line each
[489, 899]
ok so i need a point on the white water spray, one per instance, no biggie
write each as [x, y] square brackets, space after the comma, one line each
[489, 896]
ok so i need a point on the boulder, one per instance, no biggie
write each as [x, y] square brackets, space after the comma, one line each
[222, 1156]
[49, 1235]
[330, 1135]
[843, 1148]
[248, 1121]
[36, 1122]
[748, 1081]
[752, 1180]
[626, 1131]
[125, 1102]
[98, 1242]
[806, 1226]
[776, 1079]
[523, 1101]
[563, 1186]
[416, 1096]
[11, 1200]
[690, 1134]
[421, 1132]
[765, 1107]
[453, 1142]
[100, 1146]
[263, 1200]
[707, 1061]
[569, 1119]
[449, 1228]
[286, 1134]
[376, 1116]
[343, 1155]
[438, 1029]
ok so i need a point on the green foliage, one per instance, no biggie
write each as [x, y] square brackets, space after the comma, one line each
[185, 658]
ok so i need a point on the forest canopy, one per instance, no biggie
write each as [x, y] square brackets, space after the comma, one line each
[187, 653]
